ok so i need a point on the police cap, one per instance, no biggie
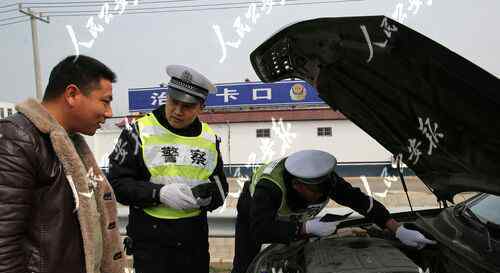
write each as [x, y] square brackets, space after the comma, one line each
[188, 85]
[310, 166]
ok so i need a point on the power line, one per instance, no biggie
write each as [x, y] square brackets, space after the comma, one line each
[150, 12]
[163, 9]
[94, 3]
[142, 4]
[17, 22]
[5, 11]
[7, 6]
[168, 9]
[97, 5]
[65, 5]
[72, 2]
[11, 18]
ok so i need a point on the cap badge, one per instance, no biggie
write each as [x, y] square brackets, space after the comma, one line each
[186, 76]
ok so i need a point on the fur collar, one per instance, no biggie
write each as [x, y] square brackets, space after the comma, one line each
[95, 202]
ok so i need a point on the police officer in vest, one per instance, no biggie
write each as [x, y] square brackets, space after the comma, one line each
[168, 168]
[279, 205]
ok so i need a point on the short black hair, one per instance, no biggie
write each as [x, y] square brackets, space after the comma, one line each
[82, 71]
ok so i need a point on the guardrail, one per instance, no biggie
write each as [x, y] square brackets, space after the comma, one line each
[221, 224]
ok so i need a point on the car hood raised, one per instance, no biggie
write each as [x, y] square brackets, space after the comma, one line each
[435, 109]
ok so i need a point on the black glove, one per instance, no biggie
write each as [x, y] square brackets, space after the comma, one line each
[203, 190]
[208, 190]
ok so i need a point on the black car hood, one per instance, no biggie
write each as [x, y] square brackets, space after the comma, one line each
[402, 88]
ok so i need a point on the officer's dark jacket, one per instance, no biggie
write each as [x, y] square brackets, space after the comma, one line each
[129, 176]
[267, 199]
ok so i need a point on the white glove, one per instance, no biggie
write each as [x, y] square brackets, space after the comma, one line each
[318, 228]
[412, 237]
[178, 196]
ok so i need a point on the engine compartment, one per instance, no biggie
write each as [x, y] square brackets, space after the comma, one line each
[360, 246]
[360, 250]
[356, 254]
[353, 254]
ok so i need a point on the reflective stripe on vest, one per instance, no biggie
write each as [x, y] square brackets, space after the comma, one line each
[273, 172]
[172, 158]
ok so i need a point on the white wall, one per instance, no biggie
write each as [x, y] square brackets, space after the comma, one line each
[102, 144]
[348, 142]
[4, 106]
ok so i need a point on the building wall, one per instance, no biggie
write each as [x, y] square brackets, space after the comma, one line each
[6, 109]
[348, 142]
[240, 146]
[102, 144]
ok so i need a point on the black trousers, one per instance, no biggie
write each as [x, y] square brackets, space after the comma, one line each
[168, 246]
[157, 259]
[246, 247]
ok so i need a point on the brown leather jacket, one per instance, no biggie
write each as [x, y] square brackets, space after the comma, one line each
[40, 230]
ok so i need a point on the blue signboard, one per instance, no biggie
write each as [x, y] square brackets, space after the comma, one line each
[233, 95]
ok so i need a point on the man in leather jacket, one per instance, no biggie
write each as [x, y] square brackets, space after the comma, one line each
[57, 210]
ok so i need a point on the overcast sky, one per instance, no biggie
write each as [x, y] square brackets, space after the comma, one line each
[138, 47]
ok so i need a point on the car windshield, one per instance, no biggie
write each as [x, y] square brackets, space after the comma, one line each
[487, 208]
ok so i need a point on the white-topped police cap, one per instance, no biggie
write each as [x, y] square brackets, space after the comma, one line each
[311, 165]
[188, 85]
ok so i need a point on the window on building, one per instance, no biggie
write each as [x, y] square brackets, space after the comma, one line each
[325, 131]
[9, 112]
[263, 132]
[2, 114]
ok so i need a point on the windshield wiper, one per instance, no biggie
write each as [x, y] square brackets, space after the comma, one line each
[480, 224]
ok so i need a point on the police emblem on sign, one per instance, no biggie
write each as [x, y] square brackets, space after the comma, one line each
[298, 92]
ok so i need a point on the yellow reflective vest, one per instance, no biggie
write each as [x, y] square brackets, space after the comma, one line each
[171, 158]
[273, 173]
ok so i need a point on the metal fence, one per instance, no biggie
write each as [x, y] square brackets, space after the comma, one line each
[220, 223]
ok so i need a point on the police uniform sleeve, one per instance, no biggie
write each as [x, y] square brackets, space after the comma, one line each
[264, 224]
[347, 195]
[128, 174]
[218, 176]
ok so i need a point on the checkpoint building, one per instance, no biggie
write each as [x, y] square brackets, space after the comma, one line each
[259, 122]
[6, 109]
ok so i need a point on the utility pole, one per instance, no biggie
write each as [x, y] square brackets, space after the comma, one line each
[34, 37]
